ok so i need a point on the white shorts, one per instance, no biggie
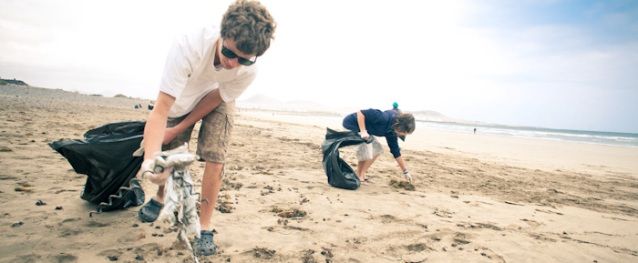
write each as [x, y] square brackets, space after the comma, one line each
[367, 151]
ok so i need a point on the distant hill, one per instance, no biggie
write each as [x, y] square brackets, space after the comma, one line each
[428, 115]
[12, 81]
[264, 102]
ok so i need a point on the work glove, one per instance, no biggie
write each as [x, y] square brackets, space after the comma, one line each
[156, 174]
[407, 175]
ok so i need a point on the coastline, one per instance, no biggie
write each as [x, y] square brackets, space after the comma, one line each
[533, 153]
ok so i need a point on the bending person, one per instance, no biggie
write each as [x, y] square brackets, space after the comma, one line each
[391, 124]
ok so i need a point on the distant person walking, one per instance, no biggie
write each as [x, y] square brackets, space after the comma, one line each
[474, 130]
[391, 124]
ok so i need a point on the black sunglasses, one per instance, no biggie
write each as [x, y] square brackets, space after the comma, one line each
[230, 54]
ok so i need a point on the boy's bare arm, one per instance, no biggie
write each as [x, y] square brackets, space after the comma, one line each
[207, 104]
[156, 125]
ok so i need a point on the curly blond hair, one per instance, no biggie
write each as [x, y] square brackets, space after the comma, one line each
[250, 25]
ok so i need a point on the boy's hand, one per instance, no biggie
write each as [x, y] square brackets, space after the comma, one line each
[169, 135]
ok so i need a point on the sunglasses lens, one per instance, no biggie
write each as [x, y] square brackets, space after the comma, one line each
[245, 62]
[228, 53]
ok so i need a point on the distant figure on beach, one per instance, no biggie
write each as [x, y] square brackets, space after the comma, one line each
[391, 124]
[204, 73]
[474, 130]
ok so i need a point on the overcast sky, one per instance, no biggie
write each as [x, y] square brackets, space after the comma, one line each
[558, 64]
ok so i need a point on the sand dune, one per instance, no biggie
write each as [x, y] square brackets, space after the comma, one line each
[276, 206]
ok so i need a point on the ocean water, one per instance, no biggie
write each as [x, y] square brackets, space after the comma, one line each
[598, 137]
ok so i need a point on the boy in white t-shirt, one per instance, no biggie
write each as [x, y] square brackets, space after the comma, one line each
[204, 73]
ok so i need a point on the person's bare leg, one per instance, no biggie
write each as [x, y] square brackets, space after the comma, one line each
[364, 166]
[211, 184]
[360, 172]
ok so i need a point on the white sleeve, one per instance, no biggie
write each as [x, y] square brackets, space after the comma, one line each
[178, 68]
[229, 91]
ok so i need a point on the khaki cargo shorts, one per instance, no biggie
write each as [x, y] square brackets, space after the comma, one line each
[214, 134]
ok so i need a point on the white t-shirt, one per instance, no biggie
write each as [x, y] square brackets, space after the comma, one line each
[189, 73]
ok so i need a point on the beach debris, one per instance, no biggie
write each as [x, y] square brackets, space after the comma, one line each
[40, 203]
[512, 203]
[402, 185]
[263, 253]
[180, 206]
[22, 189]
[225, 207]
[17, 224]
[138, 106]
[5, 149]
[289, 213]
[151, 106]
[326, 252]
[59, 207]
[307, 256]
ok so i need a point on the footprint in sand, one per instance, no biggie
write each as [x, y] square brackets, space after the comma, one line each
[418, 247]
[388, 219]
[445, 213]
[402, 185]
[531, 223]
[28, 258]
[93, 223]
[66, 232]
[65, 258]
[415, 258]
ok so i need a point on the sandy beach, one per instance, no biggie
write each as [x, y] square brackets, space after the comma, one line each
[491, 200]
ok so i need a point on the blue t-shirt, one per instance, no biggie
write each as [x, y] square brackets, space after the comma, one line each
[378, 123]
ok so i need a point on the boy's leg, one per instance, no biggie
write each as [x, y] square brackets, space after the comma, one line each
[214, 136]
[211, 184]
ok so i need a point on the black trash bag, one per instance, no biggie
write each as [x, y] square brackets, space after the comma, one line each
[339, 173]
[106, 157]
